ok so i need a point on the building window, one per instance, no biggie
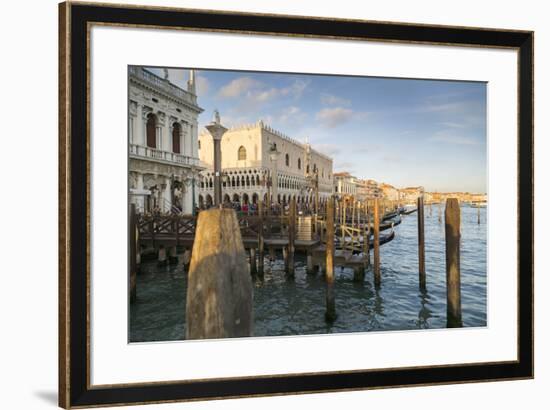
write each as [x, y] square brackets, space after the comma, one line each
[287, 160]
[199, 144]
[299, 163]
[176, 133]
[242, 153]
[152, 130]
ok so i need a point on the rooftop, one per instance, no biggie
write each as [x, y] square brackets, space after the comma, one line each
[164, 86]
[261, 125]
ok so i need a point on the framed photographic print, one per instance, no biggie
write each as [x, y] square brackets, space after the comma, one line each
[263, 204]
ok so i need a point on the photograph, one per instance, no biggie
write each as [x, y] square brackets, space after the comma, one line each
[268, 204]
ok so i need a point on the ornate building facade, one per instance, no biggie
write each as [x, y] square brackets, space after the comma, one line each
[258, 161]
[345, 184]
[163, 143]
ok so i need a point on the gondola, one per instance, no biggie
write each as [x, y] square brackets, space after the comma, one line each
[390, 215]
[383, 239]
[387, 224]
[409, 211]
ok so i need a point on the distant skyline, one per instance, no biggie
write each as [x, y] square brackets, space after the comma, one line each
[399, 131]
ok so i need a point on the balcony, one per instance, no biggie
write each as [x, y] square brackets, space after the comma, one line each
[157, 155]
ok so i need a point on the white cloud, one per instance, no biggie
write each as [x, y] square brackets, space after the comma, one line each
[257, 92]
[266, 95]
[291, 116]
[238, 87]
[332, 117]
[329, 99]
[295, 90]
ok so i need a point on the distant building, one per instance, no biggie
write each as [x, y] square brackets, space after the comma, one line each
[345, 184]
[389, 192]
[163, 131]
[410, 194]
[247, 166]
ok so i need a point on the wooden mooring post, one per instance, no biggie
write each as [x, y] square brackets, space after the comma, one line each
[291, 237]
[452, 253]
[133, 252]
[219, 291]
[261, 239]
[421, 251]
[253, 266]
[366, 237]
[478, 214]
[376, 239]
[330, 313]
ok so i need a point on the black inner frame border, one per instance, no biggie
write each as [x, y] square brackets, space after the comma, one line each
[80, 395]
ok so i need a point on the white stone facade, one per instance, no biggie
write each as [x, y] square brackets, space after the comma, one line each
[247, 166]
[345, 184]
[163, 143]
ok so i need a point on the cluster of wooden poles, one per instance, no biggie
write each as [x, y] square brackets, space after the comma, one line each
[219, 294]
[452, 254]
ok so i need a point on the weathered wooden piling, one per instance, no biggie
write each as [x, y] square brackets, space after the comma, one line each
[478, 214]
[172, 255]
[219, 291]
[310, 268]
[330, 313]
[162, 260]
[253, 266]
[452, 253]
[261, 239]
[132, 228]
[376, 239]
[291, 236]
[366, 238]
[421, 251]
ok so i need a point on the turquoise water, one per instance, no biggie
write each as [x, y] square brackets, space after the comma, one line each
[297, 307]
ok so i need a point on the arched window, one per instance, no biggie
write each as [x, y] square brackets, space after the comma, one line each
[242, 153]
[152, 130]
[287, 160]
[307, 169]
[299, 163]
[176, 133]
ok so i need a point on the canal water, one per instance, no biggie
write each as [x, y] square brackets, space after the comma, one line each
[296, 307]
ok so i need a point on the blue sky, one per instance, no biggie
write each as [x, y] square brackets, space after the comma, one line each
[400, 131]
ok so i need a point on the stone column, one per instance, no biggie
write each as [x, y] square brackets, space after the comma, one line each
[190, 141]
[141, 128]
[139, 199]
[187, 200]
[166, 201]
[167, 135]
[158, 131]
